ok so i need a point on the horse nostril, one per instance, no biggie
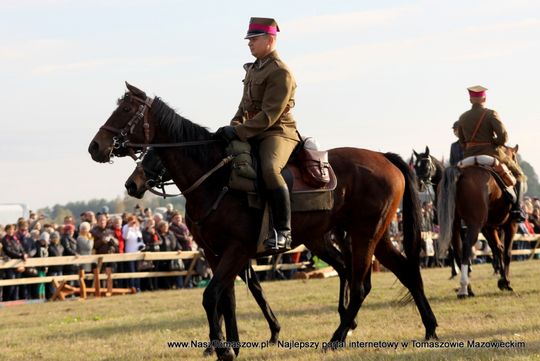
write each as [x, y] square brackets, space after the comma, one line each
[131, 188]
[93, 147]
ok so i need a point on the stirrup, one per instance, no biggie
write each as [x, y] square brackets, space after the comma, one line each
[279, 243]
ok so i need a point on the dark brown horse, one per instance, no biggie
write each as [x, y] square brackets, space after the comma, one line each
[429, 171]
[370, 187]
[150, 173]
[473, 196]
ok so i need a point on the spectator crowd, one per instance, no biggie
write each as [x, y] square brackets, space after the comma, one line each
[145, 230]
[97, 233]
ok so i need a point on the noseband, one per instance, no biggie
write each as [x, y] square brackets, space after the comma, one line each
[425, 179]
[121, 140]
[156, 181]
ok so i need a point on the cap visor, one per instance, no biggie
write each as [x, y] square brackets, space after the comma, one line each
[249, 36]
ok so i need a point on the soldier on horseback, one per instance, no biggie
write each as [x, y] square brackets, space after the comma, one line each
[481, 132]
[264, 115]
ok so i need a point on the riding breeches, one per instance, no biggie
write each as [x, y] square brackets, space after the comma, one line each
[274, 153]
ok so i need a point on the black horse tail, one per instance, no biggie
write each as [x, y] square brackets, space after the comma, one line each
[411, 210]
[446, 207]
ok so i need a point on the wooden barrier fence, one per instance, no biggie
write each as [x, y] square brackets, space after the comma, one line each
[100, 259]
[533, 240]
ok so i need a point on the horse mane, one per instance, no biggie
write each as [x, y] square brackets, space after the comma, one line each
[180, 129]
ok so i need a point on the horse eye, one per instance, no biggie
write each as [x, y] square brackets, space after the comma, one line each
[126, 109]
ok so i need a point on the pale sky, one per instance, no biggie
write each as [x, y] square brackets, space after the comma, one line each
[382, 75]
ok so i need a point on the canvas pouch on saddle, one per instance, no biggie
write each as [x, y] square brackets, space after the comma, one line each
[498, 167]
[243, 174]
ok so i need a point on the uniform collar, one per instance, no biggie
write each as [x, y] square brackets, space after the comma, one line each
[260, 63]
[478, 106]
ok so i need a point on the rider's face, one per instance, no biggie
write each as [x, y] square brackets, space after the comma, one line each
[260, 46]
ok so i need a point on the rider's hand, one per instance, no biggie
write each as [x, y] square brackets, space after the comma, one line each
[227, 133]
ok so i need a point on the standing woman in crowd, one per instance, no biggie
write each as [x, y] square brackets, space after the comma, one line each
[152, 244]
[168, 244]
[116, 227]
[55, 250]
[85, 246]
[133, 243]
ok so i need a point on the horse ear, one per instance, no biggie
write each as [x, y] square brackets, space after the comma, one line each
[415, 154]
[135, 91]
[516, 148]
[427, 150]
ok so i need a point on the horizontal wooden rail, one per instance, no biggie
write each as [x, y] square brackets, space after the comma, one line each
[102, 276]
[120, 257]
[95, 258]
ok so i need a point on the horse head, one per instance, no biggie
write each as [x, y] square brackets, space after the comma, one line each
[129, 123]
[424, 168]
[149, 173]
[512, 152]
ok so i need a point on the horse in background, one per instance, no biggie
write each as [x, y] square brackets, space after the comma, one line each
[473, 196]
[369, 190]
[429, 171]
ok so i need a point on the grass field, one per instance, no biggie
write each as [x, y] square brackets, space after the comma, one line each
[138, 327]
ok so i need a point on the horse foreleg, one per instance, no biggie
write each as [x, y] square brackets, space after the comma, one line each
[456, 243]
[249, 276]
[471, 238]
[228, 303]
[497, 248]
[232, 261]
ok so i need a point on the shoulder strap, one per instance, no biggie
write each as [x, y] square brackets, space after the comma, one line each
[478, 125]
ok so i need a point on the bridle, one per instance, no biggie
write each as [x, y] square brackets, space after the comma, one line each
[425, 179]
[121, 139]
[156, 180]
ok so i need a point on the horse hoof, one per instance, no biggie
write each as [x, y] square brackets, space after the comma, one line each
[227, 355]
[273, 339]
[431, 335]
[333, 345]
[461, 297]
[504, 285]
[209, 351]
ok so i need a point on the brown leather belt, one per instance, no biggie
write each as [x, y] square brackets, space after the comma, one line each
[251, 114]
[475, 144]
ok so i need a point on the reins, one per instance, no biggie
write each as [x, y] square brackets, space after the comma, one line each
[122, 141]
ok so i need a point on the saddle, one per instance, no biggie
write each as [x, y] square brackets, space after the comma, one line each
[500, 172]
[308, 174]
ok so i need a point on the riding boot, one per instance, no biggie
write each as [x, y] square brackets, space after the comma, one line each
[516, 213]
[280, 205]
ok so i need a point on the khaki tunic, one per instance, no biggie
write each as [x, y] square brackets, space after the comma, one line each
[490, 137]
[267, 101]
[264, 115]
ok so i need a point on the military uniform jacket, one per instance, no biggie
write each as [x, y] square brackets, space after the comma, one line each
[265, 108]
[456, 153]
[489, 137]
